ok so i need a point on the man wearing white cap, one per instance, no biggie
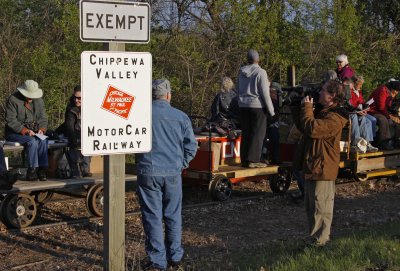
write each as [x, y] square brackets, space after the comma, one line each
[160, 182]
[25, 118]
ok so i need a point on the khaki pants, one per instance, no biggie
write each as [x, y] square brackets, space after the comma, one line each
[319, 197]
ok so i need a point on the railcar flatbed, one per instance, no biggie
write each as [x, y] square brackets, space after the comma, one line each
[19, 206]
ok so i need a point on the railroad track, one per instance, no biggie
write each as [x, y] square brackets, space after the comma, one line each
[86, 220]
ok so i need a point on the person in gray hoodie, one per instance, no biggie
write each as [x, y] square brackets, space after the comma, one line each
[255, 104]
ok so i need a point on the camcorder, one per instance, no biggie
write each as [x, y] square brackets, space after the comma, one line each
[297, 93]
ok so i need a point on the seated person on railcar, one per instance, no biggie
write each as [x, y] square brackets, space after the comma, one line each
[362, 124]
[383, 98]
[225, 104]
[79, 164]
[26, 122]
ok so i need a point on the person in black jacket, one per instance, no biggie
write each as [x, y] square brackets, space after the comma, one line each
[79, 164]
[225, 105]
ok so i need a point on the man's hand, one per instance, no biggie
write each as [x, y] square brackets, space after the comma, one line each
[307, 99]
[362, 113]
[40, 132]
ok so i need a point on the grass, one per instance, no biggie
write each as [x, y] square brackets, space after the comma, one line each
[375, 249]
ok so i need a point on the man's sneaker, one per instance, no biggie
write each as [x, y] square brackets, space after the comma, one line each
[41, 173]
[257, 165]
[371, 148]
[355, 148]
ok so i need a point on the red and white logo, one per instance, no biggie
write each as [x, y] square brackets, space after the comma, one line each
[118, 102]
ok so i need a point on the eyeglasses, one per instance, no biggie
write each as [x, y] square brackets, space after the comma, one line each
[77, 98]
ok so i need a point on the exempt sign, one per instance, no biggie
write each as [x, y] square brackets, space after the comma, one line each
[114, 21]
[116, 111]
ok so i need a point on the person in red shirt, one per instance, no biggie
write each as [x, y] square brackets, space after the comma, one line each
[362, 124]
[383, 97]
[343, 69]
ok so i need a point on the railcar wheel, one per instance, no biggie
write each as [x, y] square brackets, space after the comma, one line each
[95, 200]
[42, 196]
[220, 188]
[18, 210]
[280, 182]
[360, 177]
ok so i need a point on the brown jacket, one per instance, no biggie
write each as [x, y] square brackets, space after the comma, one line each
[318, 153]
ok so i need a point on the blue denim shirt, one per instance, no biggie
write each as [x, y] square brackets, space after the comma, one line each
[173, 142]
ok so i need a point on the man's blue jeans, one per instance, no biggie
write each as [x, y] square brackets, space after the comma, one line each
[160, 198]
[361, 126]
[35, 148]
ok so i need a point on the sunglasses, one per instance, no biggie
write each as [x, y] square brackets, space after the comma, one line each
[77, 98]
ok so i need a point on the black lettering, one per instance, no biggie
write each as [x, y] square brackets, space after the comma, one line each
[113, 132]
[106, 130]
[137, 131]
[121, 131]
[134, 60]
[93, 59]
[131, 145]
[115, 145]
[143, 131]
[128, 75]
[141, 61]
[141, 20]
[120, 24]
[96, 144]
[99, 133]
[106, 76]
[108, 21]
[91, 132]
[131, 20]
[88, 20]
[104, 146]
[128, 131]
[123, 145]
[138, 143]
[99, 18]
[135, 74]
[98, 72]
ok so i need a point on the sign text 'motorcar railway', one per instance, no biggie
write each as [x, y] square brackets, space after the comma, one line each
[127, 22]
[116, 102]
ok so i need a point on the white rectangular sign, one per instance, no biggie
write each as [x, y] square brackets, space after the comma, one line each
[107, 21]
[116, 102]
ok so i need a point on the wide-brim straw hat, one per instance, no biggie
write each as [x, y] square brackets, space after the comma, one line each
[30, 89]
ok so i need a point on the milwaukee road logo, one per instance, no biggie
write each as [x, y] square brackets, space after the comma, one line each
[118, 102]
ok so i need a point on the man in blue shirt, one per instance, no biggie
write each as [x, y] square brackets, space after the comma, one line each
[159, 179]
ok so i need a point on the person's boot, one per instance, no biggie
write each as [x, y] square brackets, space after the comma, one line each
[31, 174]
[42, 174]
[7, 180]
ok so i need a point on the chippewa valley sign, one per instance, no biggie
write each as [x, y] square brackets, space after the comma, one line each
[116, 102]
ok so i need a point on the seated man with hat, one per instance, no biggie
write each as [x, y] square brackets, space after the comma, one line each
[25, 118]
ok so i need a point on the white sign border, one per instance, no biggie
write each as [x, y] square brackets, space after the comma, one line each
[113, 40]
[151, 105]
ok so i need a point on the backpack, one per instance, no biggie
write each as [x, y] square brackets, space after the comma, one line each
[63, 170]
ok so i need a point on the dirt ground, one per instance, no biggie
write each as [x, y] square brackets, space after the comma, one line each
[210, 232]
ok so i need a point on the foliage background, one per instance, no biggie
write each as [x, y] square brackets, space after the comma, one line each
[194, 43]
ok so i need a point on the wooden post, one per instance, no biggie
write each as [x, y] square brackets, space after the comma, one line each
[291, 75]
[114, 203]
